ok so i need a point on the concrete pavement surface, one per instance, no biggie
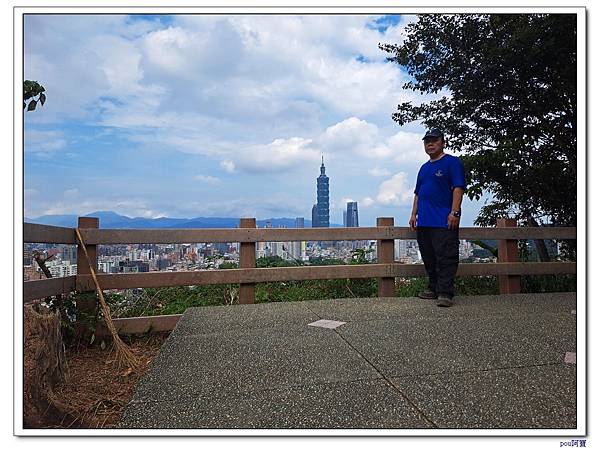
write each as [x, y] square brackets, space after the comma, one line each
[396, 363]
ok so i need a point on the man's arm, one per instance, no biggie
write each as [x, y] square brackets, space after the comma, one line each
[457, 196]
[413, 215]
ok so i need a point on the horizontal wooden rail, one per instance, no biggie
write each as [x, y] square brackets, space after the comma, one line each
[478, 269]
[272, 274]
[36, 289]
[94, 236]
[517, 268]
[47, 234]
[139, 325]
[225, 276]
[517, 233]
[180, 236]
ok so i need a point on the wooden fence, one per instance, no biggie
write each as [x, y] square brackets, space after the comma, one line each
[508, 268]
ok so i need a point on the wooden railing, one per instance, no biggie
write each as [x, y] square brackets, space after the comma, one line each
[508, 269]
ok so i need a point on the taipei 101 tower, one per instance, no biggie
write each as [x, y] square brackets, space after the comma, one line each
[321, 212]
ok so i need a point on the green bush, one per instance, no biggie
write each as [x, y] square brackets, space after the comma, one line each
[172, 300]
[484, 285]
[292, 291]
[548, 283]
[410, 287]
[481, 285]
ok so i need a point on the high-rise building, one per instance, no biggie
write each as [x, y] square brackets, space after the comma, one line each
[322, 199]
[400, 248]
[27, 257]
[162, 264]
[352, 214]
[299, 247]
[267, 247]
[315, 217]
[69, 254]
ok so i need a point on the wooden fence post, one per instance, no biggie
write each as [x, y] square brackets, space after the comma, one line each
[82, 266]
[247, 260]
[385, 255]
[87, 304]
[508, 251]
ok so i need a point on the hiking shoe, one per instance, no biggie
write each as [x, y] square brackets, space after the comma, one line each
[427, 295]
[445, 301]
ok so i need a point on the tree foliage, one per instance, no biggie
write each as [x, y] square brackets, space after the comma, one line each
[508, 101]
[31, 90]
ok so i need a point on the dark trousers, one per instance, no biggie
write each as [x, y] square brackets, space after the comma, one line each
[439, 251]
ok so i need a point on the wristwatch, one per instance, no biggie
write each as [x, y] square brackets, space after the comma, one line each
[456, 213]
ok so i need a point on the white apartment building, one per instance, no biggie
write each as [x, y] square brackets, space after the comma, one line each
[59, 269]
[400, 249]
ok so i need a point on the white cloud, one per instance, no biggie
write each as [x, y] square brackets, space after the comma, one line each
[367, 201]
[253, 64]
[320, 53]
[395, 191]
[193, 51]
[408, 147]
[281, 154]
[351, 87]
[352, 134]
[71, 193]
[228, 165]
[120, 61]
[207, 179]
[169, 49]
[365, 139]
[379, 172]
[44, 141]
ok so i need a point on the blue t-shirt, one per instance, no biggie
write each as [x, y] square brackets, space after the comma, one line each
[435, 182]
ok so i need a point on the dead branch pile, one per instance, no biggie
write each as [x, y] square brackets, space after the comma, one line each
[44, 367]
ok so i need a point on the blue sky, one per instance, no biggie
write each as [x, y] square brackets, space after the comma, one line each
[187, 116]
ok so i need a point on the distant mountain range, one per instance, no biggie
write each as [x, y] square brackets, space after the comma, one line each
[110, 219]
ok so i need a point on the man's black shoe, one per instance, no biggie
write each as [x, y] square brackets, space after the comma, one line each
[427, 295]
[444, 301]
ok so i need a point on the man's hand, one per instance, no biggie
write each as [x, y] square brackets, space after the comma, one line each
[453, 222]
[413, 222]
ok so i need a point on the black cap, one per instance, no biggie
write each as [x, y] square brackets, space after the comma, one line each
[433, 133]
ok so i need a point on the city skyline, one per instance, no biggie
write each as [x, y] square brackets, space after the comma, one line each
[61, 259]
[169, 126]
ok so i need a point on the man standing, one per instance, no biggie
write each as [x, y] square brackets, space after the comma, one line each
[436, 216]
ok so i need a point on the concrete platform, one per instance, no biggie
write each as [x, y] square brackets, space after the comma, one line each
[396, 363]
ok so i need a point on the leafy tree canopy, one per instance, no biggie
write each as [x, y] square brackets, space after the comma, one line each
[508, 86]
[32, 89]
